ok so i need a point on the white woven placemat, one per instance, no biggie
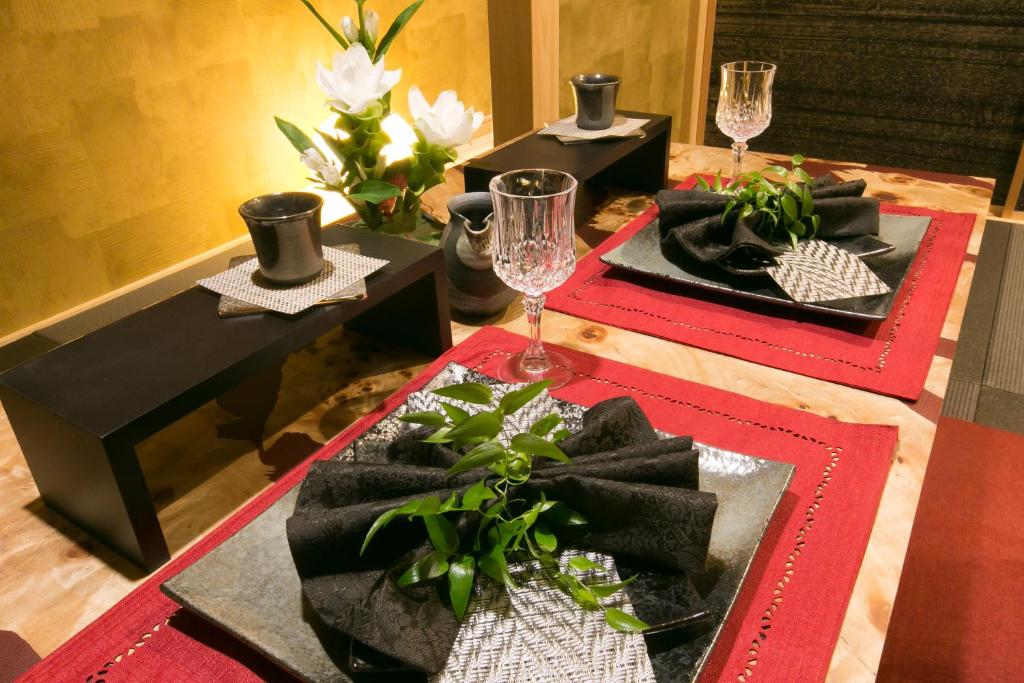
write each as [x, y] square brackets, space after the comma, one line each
[536, 634]
[622, 127]
[341, 270]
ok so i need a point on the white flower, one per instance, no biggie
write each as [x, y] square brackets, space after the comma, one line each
[370, 23]
[447, 123]
[348, 28]
[327, 171]
[355, 82]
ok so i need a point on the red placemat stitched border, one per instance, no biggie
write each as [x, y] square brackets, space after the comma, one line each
[890, 357]
[785, 623]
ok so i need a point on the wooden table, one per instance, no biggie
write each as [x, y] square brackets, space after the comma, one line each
[860, 642]
[60, 580]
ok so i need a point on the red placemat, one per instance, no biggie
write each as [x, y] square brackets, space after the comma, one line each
[889, 357]
[959, 613]
[785, 623]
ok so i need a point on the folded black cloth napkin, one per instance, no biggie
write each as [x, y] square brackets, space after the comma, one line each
[691, 219]
[638, 492]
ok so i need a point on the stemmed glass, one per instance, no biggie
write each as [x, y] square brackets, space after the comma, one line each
[744, 105]
[534, 251]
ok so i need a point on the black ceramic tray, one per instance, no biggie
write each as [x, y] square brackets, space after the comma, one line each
[249, 587]
[643, 254]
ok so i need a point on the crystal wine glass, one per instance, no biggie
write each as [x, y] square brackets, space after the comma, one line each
[534, 251]
[744, 105]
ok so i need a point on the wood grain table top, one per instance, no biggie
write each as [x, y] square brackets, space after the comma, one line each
[56, 579]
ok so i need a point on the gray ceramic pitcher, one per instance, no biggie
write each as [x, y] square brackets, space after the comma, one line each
[473, 287]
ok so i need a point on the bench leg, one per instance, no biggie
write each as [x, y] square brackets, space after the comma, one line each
[96, 483]
[417, 317]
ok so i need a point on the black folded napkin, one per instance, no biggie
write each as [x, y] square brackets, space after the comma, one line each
[692, 219]
[638, 493]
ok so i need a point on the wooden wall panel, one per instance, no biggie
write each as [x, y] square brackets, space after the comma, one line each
[649, 43]
[130, 130]
[925, 84]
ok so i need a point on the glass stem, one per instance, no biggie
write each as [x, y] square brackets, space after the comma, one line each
[535, 359]
[738, 148]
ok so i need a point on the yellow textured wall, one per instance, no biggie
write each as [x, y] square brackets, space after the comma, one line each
[648, 43]
[130, 130]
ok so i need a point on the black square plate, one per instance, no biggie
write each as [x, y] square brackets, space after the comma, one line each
[643, 254]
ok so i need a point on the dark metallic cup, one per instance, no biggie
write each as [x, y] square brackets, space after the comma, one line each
[595, 100]
[285, 229]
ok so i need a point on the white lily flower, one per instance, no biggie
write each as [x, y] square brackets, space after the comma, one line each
[447, 123]
[370, 22]
[355, 82]
[316, 162]
[349, 30]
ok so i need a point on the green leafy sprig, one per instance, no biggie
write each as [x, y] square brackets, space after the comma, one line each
[784, 210]
[508, 528]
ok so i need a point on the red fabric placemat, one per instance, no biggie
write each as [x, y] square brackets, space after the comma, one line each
[888, 357]
[789, 612]
[959, 614]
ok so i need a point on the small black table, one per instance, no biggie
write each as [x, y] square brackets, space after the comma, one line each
[633, 163]
[79, 410]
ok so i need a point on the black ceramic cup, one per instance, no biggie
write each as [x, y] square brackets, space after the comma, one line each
[285, 229]
[595, 100]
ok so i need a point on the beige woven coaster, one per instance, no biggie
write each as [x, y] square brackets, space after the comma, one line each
[231, 307]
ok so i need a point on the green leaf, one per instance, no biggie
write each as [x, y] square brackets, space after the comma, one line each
[793, 240]
[778, 170]
[728, 207]
[564, 515]
[807, 203]
[746, 211]
[430, 505]
[386, 518]
[327, 25]
[482, 424]
[797, 228]
[532, 444]
[429, 567]
[460, 583]
[815, 222]
[442, 534]
[440, 436]
[583, 596]
[514, 400]
[396, 26]
[718, 181]
[546, 540]
[560, 435]
[493, 564]
[797, 159]
[789, 206]
[374, 191]
[621, 621]
[450, 504]
[299, 140]
[454, 413]
[481, 456]
[428, 418]
[470, 392]
[477, 494]
[606, 590]
[803, 175]
[582, 563]
[703, 184]
[543, 426]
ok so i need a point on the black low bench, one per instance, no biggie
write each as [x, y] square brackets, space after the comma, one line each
[79, 410]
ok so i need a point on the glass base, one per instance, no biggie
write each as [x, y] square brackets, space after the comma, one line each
[559, 372]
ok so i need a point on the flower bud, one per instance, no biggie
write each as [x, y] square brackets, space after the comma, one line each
[371, 20]
[348, 28]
